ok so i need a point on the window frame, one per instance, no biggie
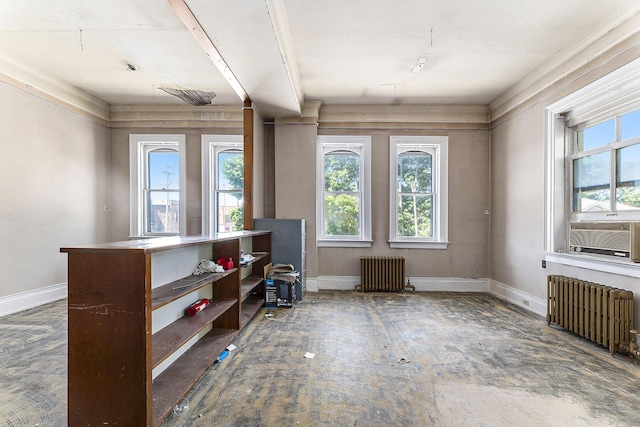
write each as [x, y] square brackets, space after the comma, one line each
[211, 146]
[360, 144]
[139, 146]
[438, 147]
[610, 95]
[612, 148]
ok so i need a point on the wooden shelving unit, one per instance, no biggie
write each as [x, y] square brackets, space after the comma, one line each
[133, 353]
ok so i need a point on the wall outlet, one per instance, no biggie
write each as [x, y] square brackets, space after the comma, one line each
[525, 302]
[544, 263]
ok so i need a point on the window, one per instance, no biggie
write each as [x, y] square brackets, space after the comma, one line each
[605, 158]
[157, 185]
[418, 197]
[344, 191]
[593, 161]
[223, 183]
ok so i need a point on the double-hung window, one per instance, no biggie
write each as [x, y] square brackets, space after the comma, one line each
[593, 162]
[418, 197]
[223, 183]
[157, 171]
[605, 161]
[344, 191]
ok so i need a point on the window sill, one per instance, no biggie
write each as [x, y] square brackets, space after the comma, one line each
[344, 243]
[403, 244]
[623, 268]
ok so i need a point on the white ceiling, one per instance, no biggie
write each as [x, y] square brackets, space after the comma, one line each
[282, 52]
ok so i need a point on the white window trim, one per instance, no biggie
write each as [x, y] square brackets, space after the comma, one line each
[618, 87]
[211, 145]
[439, 147]
[137, 144]
[333, 142]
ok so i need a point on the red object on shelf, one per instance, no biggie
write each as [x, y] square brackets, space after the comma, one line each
[197, 306]
[225, 262]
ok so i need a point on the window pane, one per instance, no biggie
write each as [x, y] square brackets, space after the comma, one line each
[414, 216]
[230, 170]
[414, 172]
[163, 169]
[342, 214]
[230, 211]
[591, 176]
[342, 171]
[628, 178]
[630, 125]
[163, 209]
[597, 135]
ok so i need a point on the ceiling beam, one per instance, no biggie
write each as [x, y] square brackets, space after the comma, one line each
[280, 23]
[189, 20]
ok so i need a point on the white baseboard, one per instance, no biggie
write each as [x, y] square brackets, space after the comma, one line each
[26, 300]
[422, 284]
[441, 284]
[520, 298]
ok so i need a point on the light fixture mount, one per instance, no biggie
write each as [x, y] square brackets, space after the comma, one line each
[419, 64]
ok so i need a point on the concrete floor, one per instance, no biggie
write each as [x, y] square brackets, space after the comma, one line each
[424, 359]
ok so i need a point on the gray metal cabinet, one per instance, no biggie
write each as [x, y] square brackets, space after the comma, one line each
[287, 245]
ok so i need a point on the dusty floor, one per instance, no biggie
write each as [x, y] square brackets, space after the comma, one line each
[424, 359]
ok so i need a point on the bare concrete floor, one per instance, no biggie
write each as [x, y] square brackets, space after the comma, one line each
[424, 359]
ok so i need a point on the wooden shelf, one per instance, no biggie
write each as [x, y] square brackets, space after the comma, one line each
[257, 256]
[172, 291]
[113, 306]
[174, 383]
[248, 284]
[250, 307]
[172, 337]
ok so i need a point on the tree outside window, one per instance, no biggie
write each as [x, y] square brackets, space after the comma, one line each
[419, 192]
[344, 191]
[415, 196]
[230, 190]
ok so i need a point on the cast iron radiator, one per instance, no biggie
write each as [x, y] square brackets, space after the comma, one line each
[382, 274]
[600, 313]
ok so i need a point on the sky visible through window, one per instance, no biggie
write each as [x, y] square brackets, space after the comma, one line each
[164, 173]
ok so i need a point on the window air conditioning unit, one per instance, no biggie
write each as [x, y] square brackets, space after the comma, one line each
[619, 239]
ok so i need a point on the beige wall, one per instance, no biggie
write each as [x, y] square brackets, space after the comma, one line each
[517, 206]
[467, 255]
[53, 181]
[518, 180]
[119, 188]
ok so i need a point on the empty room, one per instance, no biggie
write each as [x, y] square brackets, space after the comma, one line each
[334, 213]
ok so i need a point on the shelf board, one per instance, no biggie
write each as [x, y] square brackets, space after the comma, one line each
[249, 308]
[257, 256]
[174, 383]
[248, 284]
[165, 294]
[173, 336]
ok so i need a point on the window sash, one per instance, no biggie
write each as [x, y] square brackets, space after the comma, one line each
[211, 146]
[142, 222]
[591, 201]
[423, 235]
[355, 230]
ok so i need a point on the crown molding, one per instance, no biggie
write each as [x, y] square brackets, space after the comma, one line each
[142, 115]
[42, 85]
[404, 116]
[586, 51]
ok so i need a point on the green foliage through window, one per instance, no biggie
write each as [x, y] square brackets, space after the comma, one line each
[342, 193]
[415, 197]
